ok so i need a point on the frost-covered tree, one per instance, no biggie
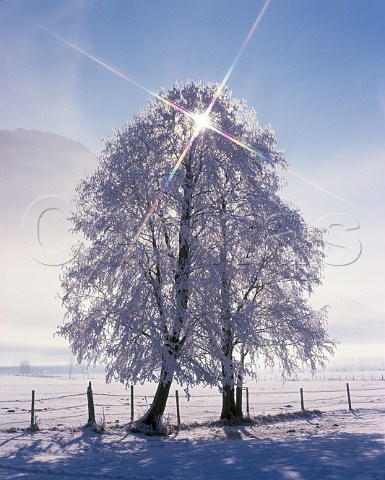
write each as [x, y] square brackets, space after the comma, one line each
[268, 263]
[139, 302]
[191, 296]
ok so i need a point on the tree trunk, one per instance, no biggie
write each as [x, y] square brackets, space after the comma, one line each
[227, 402]
[238, 402]
[174, 341]
[238, 394]
[154, 414]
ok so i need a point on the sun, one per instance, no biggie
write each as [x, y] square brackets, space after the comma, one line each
[202, 121]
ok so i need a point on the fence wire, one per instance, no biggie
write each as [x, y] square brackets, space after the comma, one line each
[197, 407]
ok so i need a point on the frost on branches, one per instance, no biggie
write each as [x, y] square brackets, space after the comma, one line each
[216, 281]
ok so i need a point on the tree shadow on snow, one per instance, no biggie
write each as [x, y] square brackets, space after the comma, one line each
[86, 454]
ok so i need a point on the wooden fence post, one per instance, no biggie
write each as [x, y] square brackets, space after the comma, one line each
[349, 401]
[247, 402]
[177, 407]
[33, 410]
[91, 408]
[132, 403]
[302, 402]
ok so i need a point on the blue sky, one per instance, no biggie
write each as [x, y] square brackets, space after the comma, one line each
[314, 69]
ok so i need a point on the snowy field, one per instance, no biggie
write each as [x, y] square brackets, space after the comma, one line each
[336, 443]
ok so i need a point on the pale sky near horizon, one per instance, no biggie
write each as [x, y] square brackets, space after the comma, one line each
[314, 69]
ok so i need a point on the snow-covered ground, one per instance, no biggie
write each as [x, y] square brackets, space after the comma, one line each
[337, 444]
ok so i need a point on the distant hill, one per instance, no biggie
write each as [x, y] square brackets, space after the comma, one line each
[35, 165]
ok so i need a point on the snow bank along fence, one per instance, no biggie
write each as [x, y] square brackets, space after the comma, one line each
[58, 410]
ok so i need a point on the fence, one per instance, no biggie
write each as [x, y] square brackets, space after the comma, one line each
[79, 408]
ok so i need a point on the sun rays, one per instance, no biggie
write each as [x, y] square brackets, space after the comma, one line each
[201, 121]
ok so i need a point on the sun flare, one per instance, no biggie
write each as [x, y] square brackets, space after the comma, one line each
[202, 121]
